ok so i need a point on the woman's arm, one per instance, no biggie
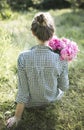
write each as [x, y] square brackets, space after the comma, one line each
[19, 110]
[23, 93]
[63, 80]
[18, 114]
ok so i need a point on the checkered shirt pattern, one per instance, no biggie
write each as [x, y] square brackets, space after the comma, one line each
[42, 76]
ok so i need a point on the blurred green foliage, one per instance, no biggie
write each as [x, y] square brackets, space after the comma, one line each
[49, 4]
[6, 6]
[5, 12]
[20, 4]
[39, 4]
[75, 3]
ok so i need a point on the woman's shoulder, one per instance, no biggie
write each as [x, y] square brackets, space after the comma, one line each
[59, 60]
[57, 56]
[24, 53]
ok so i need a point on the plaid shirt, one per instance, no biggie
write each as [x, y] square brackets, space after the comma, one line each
[42, 76]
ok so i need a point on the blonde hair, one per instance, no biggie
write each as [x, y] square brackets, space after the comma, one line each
[43, 26]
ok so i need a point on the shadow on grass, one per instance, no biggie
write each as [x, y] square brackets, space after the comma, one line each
[38, 119]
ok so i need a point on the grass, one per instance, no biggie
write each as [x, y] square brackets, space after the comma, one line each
[15, 36]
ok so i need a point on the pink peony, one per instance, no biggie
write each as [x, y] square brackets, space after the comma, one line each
[56, 43]
[65, 40]
[67, 49]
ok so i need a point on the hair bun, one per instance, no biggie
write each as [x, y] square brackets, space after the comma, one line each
[41, 19]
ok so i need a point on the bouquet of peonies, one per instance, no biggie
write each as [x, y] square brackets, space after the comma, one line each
[66, 48]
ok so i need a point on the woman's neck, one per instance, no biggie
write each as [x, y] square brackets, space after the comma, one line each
[43, 43]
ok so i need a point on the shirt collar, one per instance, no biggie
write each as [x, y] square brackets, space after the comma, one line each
[42, 47]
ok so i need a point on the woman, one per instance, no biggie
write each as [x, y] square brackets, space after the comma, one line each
[42, 76]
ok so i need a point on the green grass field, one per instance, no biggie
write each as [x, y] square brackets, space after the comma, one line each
[15, 36]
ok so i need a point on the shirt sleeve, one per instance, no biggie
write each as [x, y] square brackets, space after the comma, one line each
[23, 92]
[63, 80]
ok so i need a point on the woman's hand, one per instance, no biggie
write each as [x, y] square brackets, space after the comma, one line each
[18, 114]
[11, 121]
